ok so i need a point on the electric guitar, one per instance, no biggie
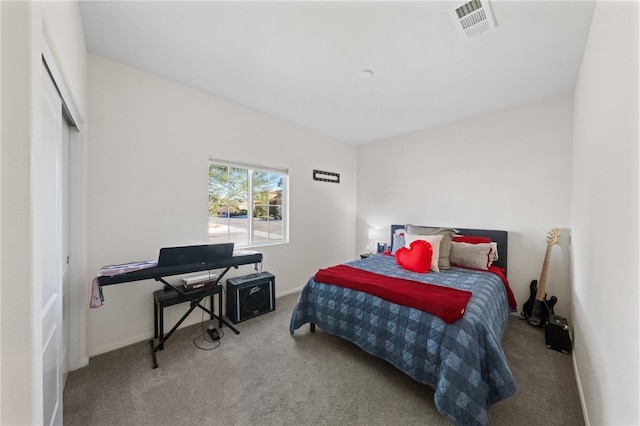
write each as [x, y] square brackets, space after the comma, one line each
[537, 309]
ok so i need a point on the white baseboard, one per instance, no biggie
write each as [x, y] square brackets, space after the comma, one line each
[82, 362]
[121, 344]
[580, 393]
[148, 336]
[288, 292]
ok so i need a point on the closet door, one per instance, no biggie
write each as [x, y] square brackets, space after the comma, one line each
[48, 247]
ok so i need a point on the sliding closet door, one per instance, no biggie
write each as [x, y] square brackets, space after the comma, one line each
[48, 247]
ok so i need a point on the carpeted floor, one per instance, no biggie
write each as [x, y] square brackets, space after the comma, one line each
[263, 376]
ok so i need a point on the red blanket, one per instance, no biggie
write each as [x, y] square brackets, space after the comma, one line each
[444, 302]
[500, 272]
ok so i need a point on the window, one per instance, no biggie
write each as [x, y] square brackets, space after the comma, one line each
[247, 204]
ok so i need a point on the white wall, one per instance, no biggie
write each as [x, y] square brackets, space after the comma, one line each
[150, 140]
[18, 392]
[1, 138]
[605, 218]
[508, 170]
[1, 82]
[25, 26]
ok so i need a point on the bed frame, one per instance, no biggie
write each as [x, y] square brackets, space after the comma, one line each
[500, 237]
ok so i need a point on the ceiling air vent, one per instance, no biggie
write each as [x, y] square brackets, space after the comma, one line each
[472, 18]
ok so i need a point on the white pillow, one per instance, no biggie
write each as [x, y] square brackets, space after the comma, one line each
[398, 240]
[476, 256]
[494, 251]
[434, 240]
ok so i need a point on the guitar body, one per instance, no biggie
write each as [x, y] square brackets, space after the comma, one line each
[527, 308]
[536, 311]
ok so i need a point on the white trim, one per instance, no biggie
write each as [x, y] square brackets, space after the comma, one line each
[56, 76]
[288, 292]
[583, 402]
[251, 168]
[244, 165]
[126, 342]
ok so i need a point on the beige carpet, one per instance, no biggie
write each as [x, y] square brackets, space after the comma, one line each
[263, 376]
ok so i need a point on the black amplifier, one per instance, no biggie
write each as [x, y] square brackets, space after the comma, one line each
[556, 334]
[250, 296]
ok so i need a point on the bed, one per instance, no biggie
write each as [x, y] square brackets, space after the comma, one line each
[461, 358]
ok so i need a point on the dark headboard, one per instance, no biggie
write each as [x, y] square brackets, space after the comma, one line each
[500, 237]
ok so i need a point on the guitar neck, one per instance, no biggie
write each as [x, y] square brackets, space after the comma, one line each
[542, 282]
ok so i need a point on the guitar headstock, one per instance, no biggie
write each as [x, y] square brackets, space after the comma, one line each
[552, 238]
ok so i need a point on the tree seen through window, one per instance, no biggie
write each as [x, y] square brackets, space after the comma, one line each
[232, 218]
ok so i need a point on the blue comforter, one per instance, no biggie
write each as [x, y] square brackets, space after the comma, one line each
[463, 362]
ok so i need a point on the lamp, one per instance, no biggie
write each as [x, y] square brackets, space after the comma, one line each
[371, 236]
[375, 235]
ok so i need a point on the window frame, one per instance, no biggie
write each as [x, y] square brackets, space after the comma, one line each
[251, 169]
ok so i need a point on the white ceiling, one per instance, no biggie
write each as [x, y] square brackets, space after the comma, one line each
[299, 60]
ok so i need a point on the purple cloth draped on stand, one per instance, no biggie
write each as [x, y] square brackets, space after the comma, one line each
[96, 292]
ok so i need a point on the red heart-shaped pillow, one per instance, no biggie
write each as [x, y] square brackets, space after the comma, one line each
[417, 257]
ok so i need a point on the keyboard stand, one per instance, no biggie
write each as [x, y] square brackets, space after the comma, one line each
[242, 257]
[194, 303]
